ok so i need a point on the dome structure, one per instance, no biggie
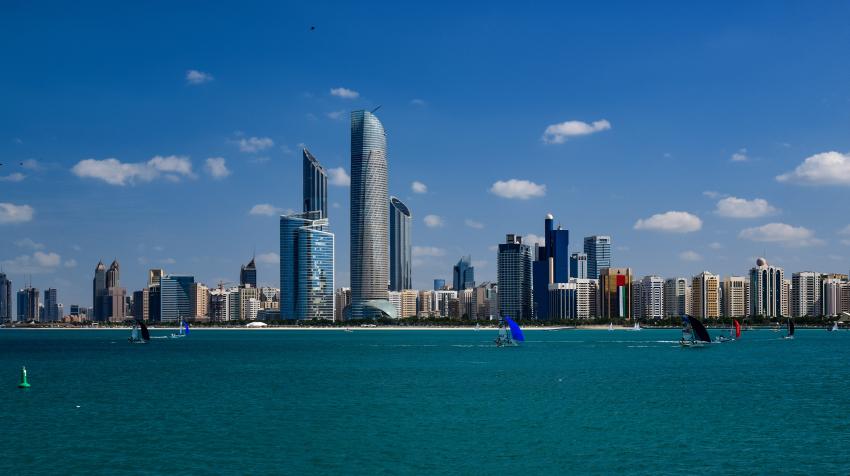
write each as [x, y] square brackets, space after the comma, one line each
[549, 216]
[761, 262]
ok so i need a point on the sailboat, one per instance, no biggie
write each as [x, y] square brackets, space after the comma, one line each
[139, 334]
[509, 333]
[834, 327]
[183, 332]
[733, 333]
[694, 333]
[636, 327]
[790, 334]
[610, 326]
[477, 326]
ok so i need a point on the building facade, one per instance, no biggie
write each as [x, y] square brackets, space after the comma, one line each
[615, 292]
[766, 289]
[176, 298]
[306, 267]
[705, 292]
[675, 295]
[652, 297]
[463, 274]
[598, 251]
[248, 274]
[551, 265]
[806, 294]
[5, 298]
[578, 265]
[514, 278]
[401, 256]
[314, 185]
[735, 296]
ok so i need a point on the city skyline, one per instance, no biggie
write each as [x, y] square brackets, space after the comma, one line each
[732, 182]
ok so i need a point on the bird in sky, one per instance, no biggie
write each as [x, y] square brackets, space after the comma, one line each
[312, 28]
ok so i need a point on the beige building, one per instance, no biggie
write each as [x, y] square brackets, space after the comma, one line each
[426, 301]
[200, 298]
[705, 295]
[408, 303]
[735, 296]
[245, 306]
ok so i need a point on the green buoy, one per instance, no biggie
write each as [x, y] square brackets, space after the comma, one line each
[24, 383]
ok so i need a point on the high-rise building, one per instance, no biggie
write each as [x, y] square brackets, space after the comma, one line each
[806, 300]
[615, 292]
[342, 298]
[551, 265]
[440, 306]
[439, 284]
[705, 291]
[113, 275]
[514, 278]
[485, 301]
[408, 302]
[652, 297]
[400, 246]
[219, 309]
[114, 304]
[395, 299]
[463, 274]
[98, 292]
[675, 295]
[598, 251]
[306, 267]
[154, 275]
[578, 265]
[248, 274]
[425, 304]
[831, 296]
[51, 305]
[176, 300]
[139, 304]
[766, 289]
[315, 185]
[636, 299]
[563, 299]
[200, 297]
[28, 306]
[735, 296]
[369, 221]
[587, 298]
[5, 298]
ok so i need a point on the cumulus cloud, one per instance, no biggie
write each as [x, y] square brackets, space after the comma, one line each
[71, 263]
[519, 189]
[828, 168]
[115, 172]
[418, 187]
[345, 93]
[13, 177]
[336, 115]
[418, 102]
[845, 230]
[532, 239]
[38, 262]
[782, 234]
[560, 133]
[167, 261]
[11, 213]
[31, 164]
[270, 258]
[715, 245]
[217, 167]
[267, 209]
[734, 207]
[712, 194]
[690, 256]
[254, 144]
[338, 176]
[670, 222]
[433, 221]
[740, 156]
[473, 224]
[428, 251]
[194, 77]
[29, 243]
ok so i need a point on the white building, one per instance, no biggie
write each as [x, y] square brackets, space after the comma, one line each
[652, 297]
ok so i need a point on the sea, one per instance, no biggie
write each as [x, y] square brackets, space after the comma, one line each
[223, 402]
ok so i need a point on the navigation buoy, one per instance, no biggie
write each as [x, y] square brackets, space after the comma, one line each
[24, 383]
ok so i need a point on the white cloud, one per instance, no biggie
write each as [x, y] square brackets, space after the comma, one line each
[734, 207]
[690, 256]
[740, 156]
[418, 187]
[71, 263]
[13, 177]
[428, 251]
[715, 245]
[270, 258]
[29, 243]
[336, 115]
[433, 221]
[115, 172]
[194, 77]
[531, 239]
[31, 164]
[254, 144]
[473, 224]
[845, 230]
[520, 189]
[267, 209]
[781, 233]
[345, 93]
[560, 133]
[493, 248]
[480, 263]
[217, 167]
[11, 213]
[38, 262]
[167, 261]
[418, 102]
[338, 176]
[828, 168]
[670, 222]
[712, 194]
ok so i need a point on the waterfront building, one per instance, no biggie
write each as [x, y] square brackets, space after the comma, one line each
[439, 284]
[200, 297]
[615, 290]
[51, 306]
[251, 308]
[636, 299]
[785, 299]
[246, 295]
[705, 291]
[306, 267]
[845, 297]
[99, 291]
[369, 220]
[176, 300]
[831, 296]
[485, 301]
[342, 299]
[587, 298]
[5, 298]
[551, 265]
[270, 298]
[28, 305]
[401, 257]
[735, 296]
[440, 306]
[113, 275]
[463, 274]
[562, 301]
[114, 304]
[408, 299]
[766, 289]
[598, 251]
[395, 299]
[652, 297]
[154, 305]
[138, 311]
[154, 275]
[578, 265]
[248, 274]
[806, 294]
[219, 308]
[514, 278]
[466, 303]
[675, 295]
[314, 185]
[425, 304]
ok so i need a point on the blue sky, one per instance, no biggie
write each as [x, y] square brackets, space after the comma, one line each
[736, 117]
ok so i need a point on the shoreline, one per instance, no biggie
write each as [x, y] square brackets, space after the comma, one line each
[592, 327]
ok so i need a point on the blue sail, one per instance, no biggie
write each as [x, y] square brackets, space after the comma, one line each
[516, 332]
[186, 327]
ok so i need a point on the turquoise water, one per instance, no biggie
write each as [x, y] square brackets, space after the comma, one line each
[397, 402]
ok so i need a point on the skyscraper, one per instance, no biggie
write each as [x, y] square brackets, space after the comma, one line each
[652, 297]
[51, 305]
[578, 265]
[28, 304]
[439, 284]
[248, 274]
[369, 221]
[675, 297]
[598, 251]
[806, 300]
[306, 267]
[400, 246]
[176, 299]
[735, 296]
[705, 289]
[5, 298]
[766, 289]
[551, 265]
[615, 287]
[463, 274]
[113, 275]
[98, 292]
[315, 185]
[514, 278]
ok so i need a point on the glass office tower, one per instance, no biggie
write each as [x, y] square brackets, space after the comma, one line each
[400, 246]
[315, 185]
[306, 267]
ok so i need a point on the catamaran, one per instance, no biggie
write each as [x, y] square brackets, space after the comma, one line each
[694, 333]
[790, 334]
[610, 326]
[636, 327]
[734, 334]
[183, 332]
[137, 337]
[509, 333]
[834, 327]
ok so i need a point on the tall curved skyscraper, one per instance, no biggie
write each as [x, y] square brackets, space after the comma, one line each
[400, 247]
[315, 185]
[369, 219]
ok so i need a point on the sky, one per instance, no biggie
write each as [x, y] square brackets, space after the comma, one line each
[168, 134]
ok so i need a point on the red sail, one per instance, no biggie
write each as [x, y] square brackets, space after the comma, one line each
[737, 330]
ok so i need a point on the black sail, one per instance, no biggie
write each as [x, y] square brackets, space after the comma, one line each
[790, 327]
[146, 336]
[699, 330]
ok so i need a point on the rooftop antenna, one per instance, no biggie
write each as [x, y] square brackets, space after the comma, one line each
[373, 110]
